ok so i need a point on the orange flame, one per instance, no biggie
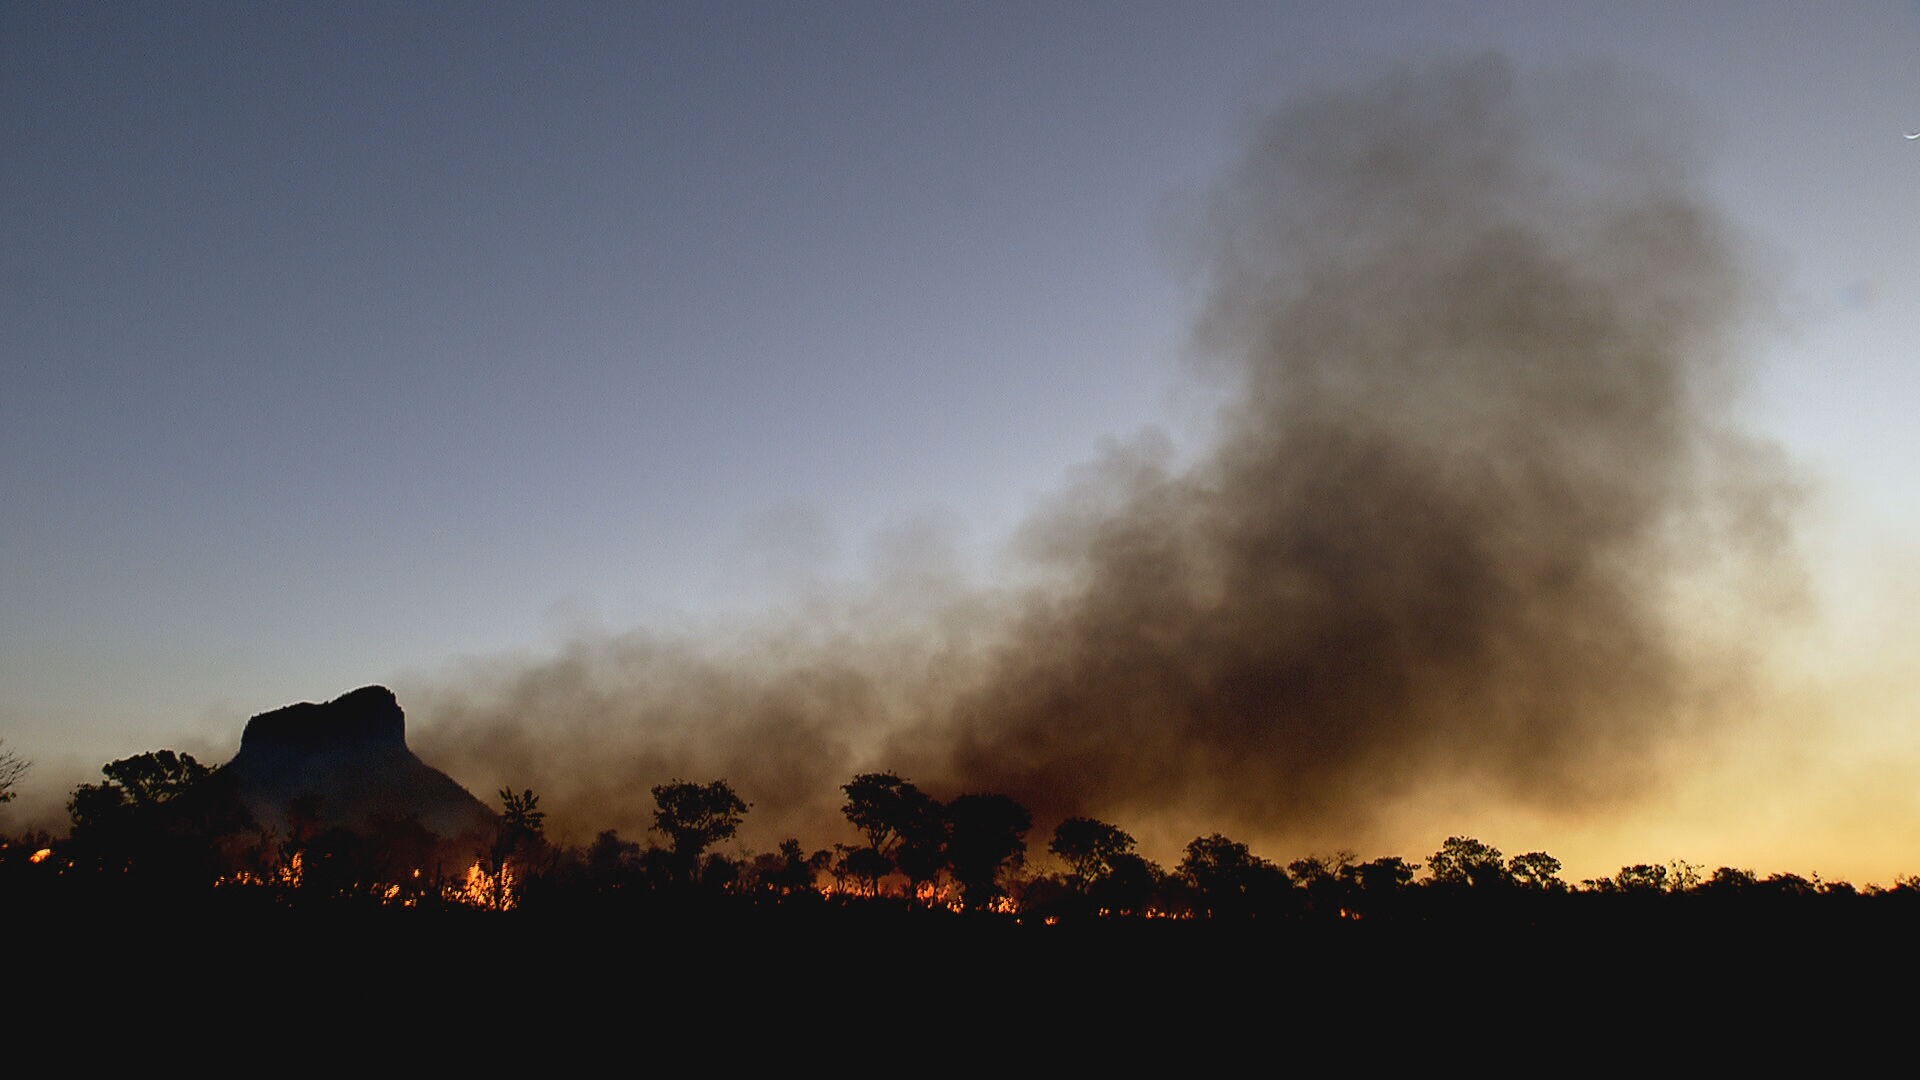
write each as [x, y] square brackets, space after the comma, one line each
[496, 891]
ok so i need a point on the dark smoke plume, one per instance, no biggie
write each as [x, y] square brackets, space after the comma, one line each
[1478, 336]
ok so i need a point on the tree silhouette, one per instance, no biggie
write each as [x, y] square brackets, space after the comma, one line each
[1230, 878]
[144, 780]
[922, 849]
[1323, 879]
[694, 817]
[611, 864]
[12, 768]
[1089, 848]
[1729, 880]
[986, 833]
[717, 871]
[1464, 861]
[1536, 870]
[1128, 887]
[791, 871]
[1641, 878]
[521, 815]
[884, 808]
[519, 850]
[864, 865]
[1381, 876]
[1684, 876]
[159, 812]
[1786, 884]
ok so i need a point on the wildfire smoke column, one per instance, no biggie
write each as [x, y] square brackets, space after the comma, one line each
[1478, 333]
[1476, 480]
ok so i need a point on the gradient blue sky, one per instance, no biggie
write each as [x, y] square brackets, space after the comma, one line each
[339, 342]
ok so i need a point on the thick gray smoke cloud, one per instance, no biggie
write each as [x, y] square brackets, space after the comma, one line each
[1477, 337]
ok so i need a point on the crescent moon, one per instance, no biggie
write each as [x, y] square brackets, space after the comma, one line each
[1915, 135]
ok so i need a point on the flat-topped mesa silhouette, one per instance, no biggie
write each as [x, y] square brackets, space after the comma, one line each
[346, 764]
[369, 717]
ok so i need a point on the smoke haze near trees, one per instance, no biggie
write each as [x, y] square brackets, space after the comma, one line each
[1478, 464]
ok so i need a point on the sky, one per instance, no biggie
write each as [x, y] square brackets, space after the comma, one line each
[376, 343]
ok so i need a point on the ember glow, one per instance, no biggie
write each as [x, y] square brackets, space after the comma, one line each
[478, 887]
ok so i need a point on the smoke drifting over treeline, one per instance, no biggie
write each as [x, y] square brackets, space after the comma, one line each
[1477, 333]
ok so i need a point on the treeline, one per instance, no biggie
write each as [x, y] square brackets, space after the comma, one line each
[162, 825]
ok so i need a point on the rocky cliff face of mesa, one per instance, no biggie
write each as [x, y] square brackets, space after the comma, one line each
[346, 764]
